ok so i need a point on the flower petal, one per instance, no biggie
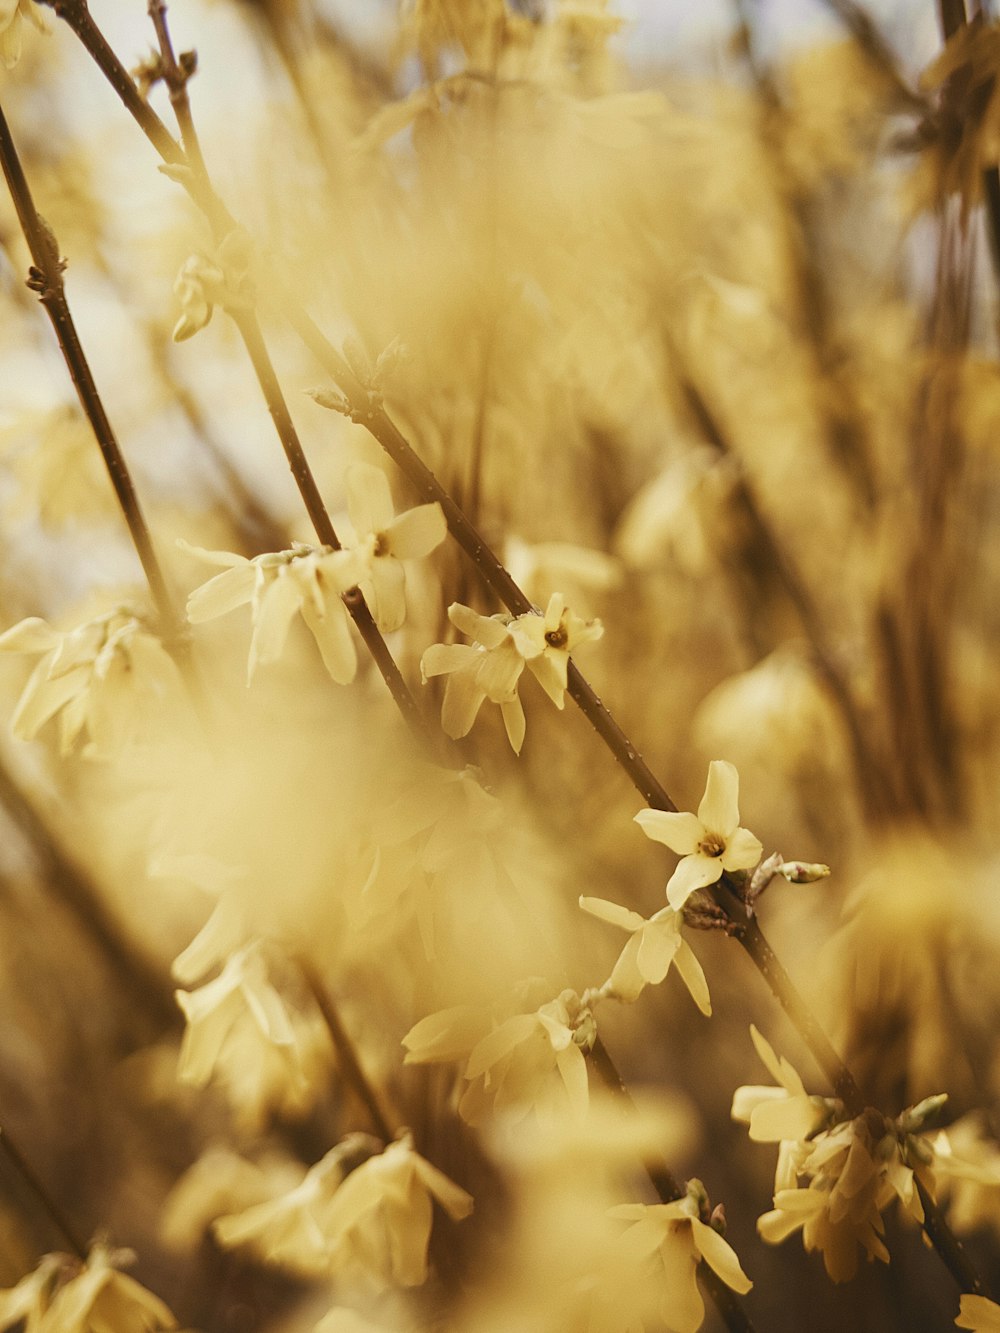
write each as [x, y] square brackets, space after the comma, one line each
[693, 976]
[742, 852]
[613, 913]
[484, 629]
[332, 632]
[694, 872]
[720, 1256]
[369, 499]
[273, 615]
[417, 532]
[719, 809]
[224, 593]
[463, 699]
[680, 832]
[513, 720]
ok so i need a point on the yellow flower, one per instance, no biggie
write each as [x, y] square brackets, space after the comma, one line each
[491, 666]
[383, 541]
[710, 842]
[306, 579]
[12, 12]
[528, 1061]
[673, 1238]
[64, 1296]
[786, 1112]
[654, 945]
[104, 679]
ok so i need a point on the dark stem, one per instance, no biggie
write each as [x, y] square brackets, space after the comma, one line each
[349, 1063]
[48, 1204]
[250, 332]
[46, 279]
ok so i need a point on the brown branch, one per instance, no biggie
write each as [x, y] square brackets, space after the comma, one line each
[49, 1206]
[46, 278]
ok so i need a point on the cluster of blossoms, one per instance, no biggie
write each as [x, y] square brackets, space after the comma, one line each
[103, 679]
[311, 581]
[64, 1296]
[361, 1213]
[835, 1177]
[491, 666]
[207, 281]
[528, 1061]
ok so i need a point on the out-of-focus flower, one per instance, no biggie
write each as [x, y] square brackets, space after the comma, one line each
[64, 1296]
[369, 1219]
[783, 1112]
[384, 541]
[542, 568]
[978, 1313]
[105, 679]
[673, 1238]
[12, 14]
[207, 281]
[241, 991]
[528, 1061]
[967, 1163]
[491, 666]
[29, 1300]
[306, 579]
[710, 842]
[654, 945]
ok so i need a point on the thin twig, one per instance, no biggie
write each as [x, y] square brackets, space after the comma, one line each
[350, 1065]
[46, 278]
[49, 1206]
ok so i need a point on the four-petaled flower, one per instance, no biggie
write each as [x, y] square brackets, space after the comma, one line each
[491, 666]
[510, 1065]
[104, 679]
[384, 541]
[654, 944]
[11, 14]
[673, 1237]
[305, 579]
[711, 842]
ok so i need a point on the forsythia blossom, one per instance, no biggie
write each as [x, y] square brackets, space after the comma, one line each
[710, 842]
[528, 1061]
[203, 283]
[103, 678]
[834, 1182]
[369, 1217]
[240, 992]
[654, 945]
[384, 541]
[673, 1238]
[491, 666]
[12, 12]
[306, 579]
[63, 1296]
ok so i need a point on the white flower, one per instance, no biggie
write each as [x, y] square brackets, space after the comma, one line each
[306, 579]
[12, 12]
[710, 842]
[654, 944]
[29, 1300]
[528, 1061]
[384, 541]
[673, 1237]
[491, 666]
[104, 679]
